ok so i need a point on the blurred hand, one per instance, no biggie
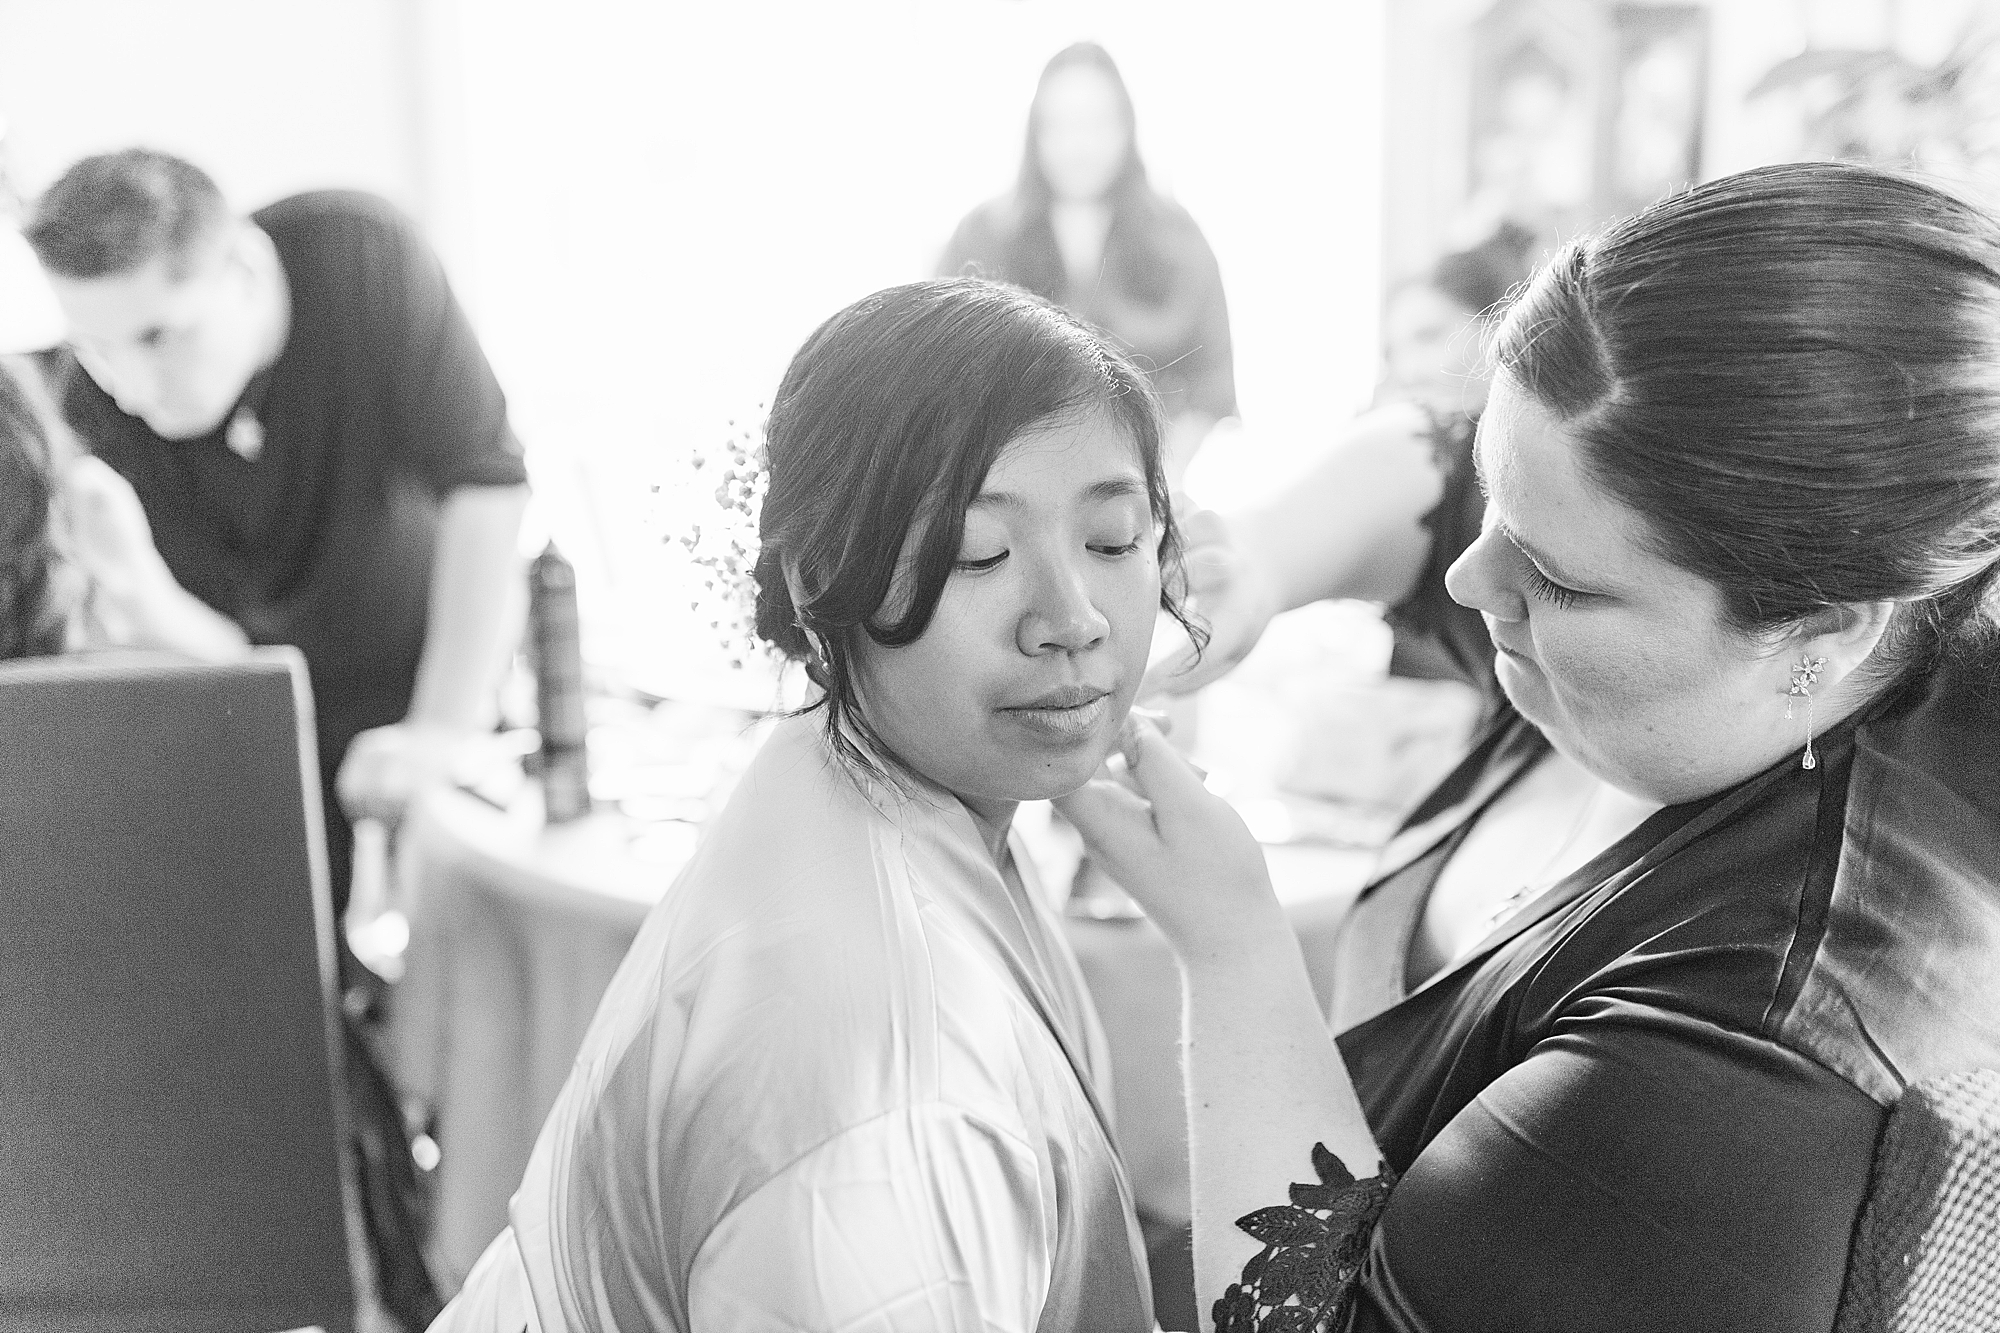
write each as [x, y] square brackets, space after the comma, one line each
[387, 767]
[111, 542]
[128, 598]
[1182, 852]
[1228, 594]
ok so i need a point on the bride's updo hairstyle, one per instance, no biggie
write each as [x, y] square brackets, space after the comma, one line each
[1793, 374]
[885, 424]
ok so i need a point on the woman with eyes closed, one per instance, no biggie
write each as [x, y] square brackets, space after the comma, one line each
[1741, 565]
[848, 1076]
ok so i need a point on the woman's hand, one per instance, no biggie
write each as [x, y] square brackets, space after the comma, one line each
[1351, 527]
[1228, 594]
[109, 536]
[1183, 853]
[385, 768]
[134, 600]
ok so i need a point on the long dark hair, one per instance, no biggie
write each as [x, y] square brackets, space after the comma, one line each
[1030, 256]
[886, 422]
[1793, 374]
[31, 448]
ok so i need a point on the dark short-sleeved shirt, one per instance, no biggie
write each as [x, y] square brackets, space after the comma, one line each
[380, 406]
[1650, 1100]
[1177, 329]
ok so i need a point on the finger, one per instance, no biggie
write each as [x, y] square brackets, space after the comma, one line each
[1116, 823]
[1114, 770]
[1202, 527]
[1208, 569]
[354, 785]
[1165, 779]
[1169, 675]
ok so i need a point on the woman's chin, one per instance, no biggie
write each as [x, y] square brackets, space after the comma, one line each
[1059, 780]
[1046, 777]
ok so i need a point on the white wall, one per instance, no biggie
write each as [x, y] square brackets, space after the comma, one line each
[271, 96]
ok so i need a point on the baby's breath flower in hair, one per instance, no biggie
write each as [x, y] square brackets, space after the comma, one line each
[722, 540]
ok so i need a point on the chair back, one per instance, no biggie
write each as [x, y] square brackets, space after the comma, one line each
[169, 1125]
[1926, 1255]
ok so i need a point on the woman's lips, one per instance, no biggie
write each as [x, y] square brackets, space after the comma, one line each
[1068, 715]
[1500, 645]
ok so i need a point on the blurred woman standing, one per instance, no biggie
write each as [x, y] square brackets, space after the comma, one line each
[1084, 228]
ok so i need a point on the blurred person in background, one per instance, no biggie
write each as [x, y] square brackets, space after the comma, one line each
[318, 442]
[1084, 228]
[322, 454]
[1433, 341]
[1383, 516]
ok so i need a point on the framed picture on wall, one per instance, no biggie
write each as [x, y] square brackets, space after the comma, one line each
[1650, 137]
[1531, 142]
[1540, 118]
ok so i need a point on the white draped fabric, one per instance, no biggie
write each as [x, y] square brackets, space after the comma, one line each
[847, 1078]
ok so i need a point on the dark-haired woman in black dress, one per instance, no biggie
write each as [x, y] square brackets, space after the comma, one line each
[1740, 563]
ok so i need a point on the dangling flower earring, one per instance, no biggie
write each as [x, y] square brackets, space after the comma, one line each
[1805, 673]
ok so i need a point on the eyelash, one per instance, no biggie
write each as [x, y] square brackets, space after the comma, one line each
[993, 561]
[1546, 588]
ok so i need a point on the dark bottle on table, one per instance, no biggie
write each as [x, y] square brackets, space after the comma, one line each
[558, 642]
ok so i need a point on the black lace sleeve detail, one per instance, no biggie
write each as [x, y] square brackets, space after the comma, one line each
[1313, 1248]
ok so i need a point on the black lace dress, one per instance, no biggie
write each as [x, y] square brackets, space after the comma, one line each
[1650, 1100]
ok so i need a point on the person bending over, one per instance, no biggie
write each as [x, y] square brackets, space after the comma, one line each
[319, 446]
[322, 455]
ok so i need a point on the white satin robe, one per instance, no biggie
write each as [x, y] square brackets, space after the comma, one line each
[845, 1080]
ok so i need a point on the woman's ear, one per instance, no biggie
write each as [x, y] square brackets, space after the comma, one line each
[1844, 634]
[795, 585]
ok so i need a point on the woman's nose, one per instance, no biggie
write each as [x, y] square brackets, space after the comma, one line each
[1477, 579]
[1061, 615]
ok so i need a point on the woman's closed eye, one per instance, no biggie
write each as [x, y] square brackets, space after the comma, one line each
[1546, 588]
[979, 564]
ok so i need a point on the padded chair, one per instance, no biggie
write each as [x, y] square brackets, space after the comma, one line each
[1926, 1255]
[169, 1126]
